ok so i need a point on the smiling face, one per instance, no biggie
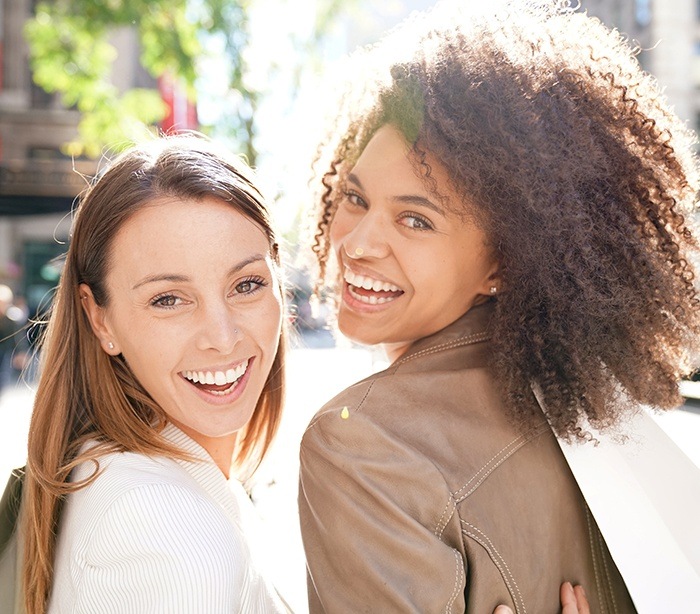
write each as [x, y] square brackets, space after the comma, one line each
[195, 309]
[409, 266]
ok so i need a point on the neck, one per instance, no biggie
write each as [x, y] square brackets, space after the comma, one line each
[394, 351]
[220, 449]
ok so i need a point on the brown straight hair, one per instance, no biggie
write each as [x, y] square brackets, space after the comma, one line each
[86, 395]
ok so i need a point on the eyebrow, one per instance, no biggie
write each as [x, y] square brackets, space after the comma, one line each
[409, 199]
[173, 277]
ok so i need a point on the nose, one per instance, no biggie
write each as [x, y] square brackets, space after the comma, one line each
[217, 328]
[368, 238]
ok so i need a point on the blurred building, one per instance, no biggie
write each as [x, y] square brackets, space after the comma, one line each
[668, 34]
[38, 183]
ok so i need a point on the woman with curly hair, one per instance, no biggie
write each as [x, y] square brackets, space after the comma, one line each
[503, 209]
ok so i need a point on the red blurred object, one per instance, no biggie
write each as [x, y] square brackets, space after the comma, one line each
[182, 113]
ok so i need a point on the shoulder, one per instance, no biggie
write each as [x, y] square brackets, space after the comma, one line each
[139, 498]
[428, 394]
[349, 455]
[166, 519]
[442, 411]
[121, 473]
[143, 528]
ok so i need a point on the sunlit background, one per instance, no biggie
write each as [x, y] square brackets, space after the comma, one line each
[262, 86]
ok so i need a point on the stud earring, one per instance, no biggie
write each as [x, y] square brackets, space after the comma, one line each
[359, 251]
[110, 345]
[493, 290]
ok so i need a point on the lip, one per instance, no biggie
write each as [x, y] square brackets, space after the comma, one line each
[230, 397]
[358, 306]
[354, 304]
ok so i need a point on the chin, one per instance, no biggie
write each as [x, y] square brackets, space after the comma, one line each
[358, 334]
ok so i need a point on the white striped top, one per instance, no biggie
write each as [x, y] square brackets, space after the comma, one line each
[157, 535]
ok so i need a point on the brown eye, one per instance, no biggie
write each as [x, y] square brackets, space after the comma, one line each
[416, 222]
[355, 199]
[250, 286]
[166, 300]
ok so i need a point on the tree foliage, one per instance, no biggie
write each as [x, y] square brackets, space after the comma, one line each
[71, 55]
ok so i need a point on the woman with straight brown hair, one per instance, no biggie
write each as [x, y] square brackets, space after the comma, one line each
[161, 387]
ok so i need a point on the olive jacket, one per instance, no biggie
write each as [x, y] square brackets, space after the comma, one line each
[417, 494]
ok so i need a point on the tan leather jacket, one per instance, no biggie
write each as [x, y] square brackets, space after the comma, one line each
[423, 497]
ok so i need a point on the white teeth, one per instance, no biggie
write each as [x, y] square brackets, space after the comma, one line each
[371, 300]
[368, 283]
[220, 378]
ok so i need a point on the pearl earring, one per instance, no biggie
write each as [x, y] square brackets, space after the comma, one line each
[493, 290]
[110, 345]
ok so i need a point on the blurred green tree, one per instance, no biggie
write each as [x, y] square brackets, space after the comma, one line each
[70, 54]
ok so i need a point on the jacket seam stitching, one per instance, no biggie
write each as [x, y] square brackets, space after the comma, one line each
[500, 563]
[456, 494]
[365, 395]
[440, 527]
[596, 572]
[470, 339]
[611, 592]
[491, 466]
[458, 569]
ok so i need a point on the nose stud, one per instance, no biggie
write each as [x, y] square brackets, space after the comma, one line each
[359, 251]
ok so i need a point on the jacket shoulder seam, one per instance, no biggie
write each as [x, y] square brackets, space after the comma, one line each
[496, 460]
[445, 517]
[468, 340]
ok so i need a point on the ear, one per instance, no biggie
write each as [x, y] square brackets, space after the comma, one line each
[97, 317]
[492, 280]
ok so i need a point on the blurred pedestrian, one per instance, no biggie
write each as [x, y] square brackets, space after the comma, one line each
[13, 341]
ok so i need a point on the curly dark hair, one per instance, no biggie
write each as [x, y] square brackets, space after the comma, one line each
[582, 179]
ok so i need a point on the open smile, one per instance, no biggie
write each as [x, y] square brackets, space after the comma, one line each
[369, 290]
[218, 382]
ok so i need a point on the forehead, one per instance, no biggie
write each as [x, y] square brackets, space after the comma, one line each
[184, 217]
[185, 232]
[389, 163]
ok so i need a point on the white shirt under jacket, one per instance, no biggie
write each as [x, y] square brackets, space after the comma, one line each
[156, 535]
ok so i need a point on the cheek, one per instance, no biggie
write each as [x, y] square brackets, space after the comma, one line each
[267, 321]
[341, 226]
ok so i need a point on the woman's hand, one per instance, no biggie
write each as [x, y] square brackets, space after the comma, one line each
[573, 601]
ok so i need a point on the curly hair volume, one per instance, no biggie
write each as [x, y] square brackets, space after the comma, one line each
[567, 156]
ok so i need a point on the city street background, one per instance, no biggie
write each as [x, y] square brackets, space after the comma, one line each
[314, 376]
